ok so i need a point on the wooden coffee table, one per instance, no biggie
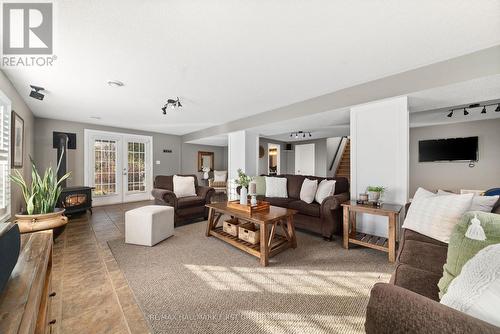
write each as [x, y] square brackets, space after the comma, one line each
[271, 242]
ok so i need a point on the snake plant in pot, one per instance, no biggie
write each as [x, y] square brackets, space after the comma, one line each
[41, 196]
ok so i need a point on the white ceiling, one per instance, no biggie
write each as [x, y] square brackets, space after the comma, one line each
[231, 59]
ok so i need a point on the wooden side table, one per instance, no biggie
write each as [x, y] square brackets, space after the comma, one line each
[380, 243]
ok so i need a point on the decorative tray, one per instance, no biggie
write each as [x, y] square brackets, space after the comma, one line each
[260, 206]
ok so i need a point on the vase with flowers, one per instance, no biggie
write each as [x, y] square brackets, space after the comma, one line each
[243, 180]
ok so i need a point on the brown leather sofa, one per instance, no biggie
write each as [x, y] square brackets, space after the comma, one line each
[325, 218]
[409, 303]
[186, 208]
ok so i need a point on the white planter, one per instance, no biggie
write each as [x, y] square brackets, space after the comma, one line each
[243, 196]
[373, 196]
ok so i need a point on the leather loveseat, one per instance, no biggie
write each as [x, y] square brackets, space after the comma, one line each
[186, 208]
[320, 218]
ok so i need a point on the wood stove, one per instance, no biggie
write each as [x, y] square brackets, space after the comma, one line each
[73, 199]
[76, 199]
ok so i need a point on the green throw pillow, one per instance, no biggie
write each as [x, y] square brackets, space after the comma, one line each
[461, 248]
[261, 185]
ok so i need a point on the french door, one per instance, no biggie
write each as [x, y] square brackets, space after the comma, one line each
[118, 166]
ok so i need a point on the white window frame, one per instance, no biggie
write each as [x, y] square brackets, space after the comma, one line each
[5, 187]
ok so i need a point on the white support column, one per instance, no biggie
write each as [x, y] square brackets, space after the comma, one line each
[242, 153]
[379, 155]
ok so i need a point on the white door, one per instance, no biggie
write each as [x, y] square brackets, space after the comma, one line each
[136, 170]
[304, 159]
[118, 166]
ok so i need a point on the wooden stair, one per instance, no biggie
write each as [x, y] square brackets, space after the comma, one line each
[344, 167]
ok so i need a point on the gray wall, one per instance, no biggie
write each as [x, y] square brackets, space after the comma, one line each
[457, 175]
[18, 105]
[322, 155]
[183, 158]
[189, 164]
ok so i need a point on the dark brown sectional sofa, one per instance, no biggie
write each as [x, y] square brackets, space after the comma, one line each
[186, 208]
[325, 218]
[409, 303]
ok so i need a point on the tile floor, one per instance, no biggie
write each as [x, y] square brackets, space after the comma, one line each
[92, 293]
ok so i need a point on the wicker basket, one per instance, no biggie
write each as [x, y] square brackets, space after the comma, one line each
[231, 226]
[249, 232]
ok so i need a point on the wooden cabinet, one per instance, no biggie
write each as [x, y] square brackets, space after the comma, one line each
[25, 302]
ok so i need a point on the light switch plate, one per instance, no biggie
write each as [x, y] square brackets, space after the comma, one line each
[157, 162]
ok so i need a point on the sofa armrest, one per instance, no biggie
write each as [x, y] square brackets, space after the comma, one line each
[205, 192]
[393, 309]
[333, 202]
[165, 195]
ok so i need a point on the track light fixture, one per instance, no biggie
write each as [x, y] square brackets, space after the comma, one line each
[172, 104]
[35, 93]
[302, 134]
[473, 106]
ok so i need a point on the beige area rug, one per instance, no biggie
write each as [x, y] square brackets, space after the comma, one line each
[193, 284]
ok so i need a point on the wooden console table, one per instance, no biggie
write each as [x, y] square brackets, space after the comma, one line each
[270, 244]
[25, 301]
[380, 243]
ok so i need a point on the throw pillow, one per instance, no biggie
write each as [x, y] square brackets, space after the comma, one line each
[436, 216]
[261, 185]
[479, 202]
[184, 186]
[326, 188]
[462, 248]
[476, 291]
[276, 187]
[308, 190]
[220, 175]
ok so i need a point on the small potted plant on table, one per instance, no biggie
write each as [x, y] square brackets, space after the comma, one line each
[41, 198]
[374, 193]
[243, 181]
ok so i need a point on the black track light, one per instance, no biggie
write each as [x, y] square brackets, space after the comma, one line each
[164, 110]
[450, 114]
[498, 108]
[484, 110]
[465, 112]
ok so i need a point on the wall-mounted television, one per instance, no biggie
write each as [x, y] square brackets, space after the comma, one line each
[450, 149]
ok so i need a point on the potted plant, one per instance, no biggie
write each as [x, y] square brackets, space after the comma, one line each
[243, 181]
[41, 198]
[374, 193]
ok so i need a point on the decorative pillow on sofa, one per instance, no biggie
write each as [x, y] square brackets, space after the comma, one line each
[308, 190]
[476, 291]
[436, 216]
[479, 202]
[325, 188]
[261, 185]
[464, 243]
[184, 186]
[276, 187]
[220, 175]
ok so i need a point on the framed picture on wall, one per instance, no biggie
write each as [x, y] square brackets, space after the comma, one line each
[17, 140]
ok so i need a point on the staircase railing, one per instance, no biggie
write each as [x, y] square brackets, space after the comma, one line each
[337, 151]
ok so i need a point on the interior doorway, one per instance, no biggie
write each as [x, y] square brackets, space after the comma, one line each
[273, 159]
[118, 166]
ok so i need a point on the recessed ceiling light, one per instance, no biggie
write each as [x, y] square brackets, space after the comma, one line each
[115, 83]
[95, 117]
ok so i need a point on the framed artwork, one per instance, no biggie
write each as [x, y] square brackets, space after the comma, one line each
[17, 140]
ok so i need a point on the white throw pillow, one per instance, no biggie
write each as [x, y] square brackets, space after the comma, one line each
[476, 291]
[276, 187]
[479, 203]
[308, 190]
[184, 186]
[220, 175]
[435, 216]
[326, 188]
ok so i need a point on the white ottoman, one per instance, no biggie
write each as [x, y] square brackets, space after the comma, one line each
[149, 225]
